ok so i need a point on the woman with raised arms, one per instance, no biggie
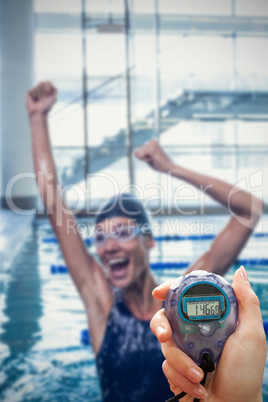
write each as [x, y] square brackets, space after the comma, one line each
[117, 292]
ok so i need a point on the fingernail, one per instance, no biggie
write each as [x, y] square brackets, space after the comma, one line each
[195, 375]
[243, 273]
[200, 392]
[159, 331]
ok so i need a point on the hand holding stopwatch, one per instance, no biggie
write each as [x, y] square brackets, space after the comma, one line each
[202, 310]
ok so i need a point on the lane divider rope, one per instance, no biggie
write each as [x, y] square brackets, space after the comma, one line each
[194, 237]
[62, 269]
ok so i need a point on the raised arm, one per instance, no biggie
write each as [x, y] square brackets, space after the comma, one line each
[84, 269]
[245, 209]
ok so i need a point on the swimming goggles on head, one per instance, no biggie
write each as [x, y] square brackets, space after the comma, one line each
[121, 234]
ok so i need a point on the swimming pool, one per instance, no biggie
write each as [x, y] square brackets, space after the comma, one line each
[41, 317]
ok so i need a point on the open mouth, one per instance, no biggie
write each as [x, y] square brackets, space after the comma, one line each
[118, 267]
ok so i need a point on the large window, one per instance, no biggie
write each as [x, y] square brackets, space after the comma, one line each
[193, 76]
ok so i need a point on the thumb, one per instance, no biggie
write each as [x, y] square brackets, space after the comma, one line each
[248, 303]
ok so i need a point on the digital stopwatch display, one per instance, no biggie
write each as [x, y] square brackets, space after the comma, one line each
[203, 302]
[200, 308]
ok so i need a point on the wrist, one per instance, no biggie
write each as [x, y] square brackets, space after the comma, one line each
[37, 118]
[175, 170]
[256, 398]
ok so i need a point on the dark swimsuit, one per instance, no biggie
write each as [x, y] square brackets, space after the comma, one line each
[130, 360]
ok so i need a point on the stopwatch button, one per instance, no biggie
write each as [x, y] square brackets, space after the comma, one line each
[176, 283]
[198, 272]
[206, 329]
[222, 280]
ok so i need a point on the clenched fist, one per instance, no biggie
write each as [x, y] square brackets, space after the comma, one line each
[41, 98]
[153, 154]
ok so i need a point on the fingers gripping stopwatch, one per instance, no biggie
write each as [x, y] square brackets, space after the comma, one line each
[202, 310]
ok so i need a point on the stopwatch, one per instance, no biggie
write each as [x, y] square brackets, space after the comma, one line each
[202, 310]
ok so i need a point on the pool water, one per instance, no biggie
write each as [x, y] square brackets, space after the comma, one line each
[41, 318]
